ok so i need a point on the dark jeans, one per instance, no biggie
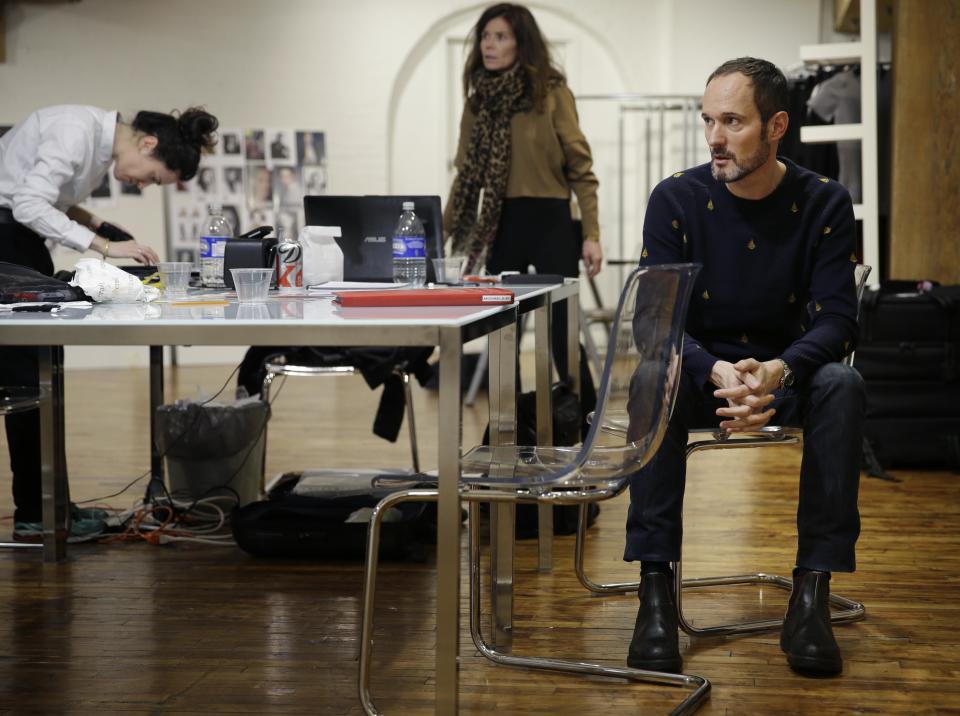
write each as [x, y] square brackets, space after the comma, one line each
[830, 409]
[19, 367]
[540, 233]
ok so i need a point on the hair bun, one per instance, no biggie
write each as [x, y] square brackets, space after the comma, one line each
[198, 127]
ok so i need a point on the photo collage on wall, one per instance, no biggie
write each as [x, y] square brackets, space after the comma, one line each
[258, 176]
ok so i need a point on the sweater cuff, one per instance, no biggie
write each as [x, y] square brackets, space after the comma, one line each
[800, 368]
[697, 364]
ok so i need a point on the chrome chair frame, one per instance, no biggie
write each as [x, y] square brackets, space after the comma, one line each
[594, 472]
[844, 610]
[700, 686]
[276, 368]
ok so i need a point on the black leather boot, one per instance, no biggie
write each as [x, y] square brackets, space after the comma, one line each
[656, 644]
[807, 636]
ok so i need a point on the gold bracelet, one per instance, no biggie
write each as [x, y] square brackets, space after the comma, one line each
[106, 248]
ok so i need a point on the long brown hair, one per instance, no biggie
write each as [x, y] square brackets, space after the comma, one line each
[533, 54]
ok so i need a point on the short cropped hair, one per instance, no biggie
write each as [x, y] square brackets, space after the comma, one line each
[769, 85]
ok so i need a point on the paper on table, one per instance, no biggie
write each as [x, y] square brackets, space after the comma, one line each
[328, 287]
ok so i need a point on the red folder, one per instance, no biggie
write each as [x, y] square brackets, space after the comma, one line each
[426, 297]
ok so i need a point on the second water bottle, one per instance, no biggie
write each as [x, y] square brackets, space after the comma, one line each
[409, 249]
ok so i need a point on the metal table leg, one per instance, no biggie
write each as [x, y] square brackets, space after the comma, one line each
[573, 343]
[155, 485]
[53, 475]
[503, 431]
[544, 367]
[448, 522]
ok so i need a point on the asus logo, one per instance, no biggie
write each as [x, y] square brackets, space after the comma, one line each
[375, 239]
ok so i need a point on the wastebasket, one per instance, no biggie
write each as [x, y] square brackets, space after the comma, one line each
[213, 449]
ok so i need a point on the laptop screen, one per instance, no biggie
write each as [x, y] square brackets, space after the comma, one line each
[367, 223]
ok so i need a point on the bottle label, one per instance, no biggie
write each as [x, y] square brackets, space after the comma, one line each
[212, 247]
[409, 247]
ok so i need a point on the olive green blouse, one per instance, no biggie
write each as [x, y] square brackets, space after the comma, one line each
[549, 157]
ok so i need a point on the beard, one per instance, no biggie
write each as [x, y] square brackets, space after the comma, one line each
[741, 167]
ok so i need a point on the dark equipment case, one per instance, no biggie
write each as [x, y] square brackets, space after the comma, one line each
[909, 356]
[330, 523]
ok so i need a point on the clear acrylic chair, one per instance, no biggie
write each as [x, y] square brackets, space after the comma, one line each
[843, 610]
[637, 390]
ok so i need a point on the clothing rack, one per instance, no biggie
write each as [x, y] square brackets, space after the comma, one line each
[864, 54]
[666, 140]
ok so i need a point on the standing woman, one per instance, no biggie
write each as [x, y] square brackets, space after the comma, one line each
[522, 150]
[50, 162]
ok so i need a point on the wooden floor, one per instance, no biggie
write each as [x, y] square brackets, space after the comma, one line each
[139, 629]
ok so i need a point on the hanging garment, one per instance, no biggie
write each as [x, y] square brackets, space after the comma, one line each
[837, 100]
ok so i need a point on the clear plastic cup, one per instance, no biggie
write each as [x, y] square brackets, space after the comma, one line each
[252, 283]
[448, 269]
[175, 276]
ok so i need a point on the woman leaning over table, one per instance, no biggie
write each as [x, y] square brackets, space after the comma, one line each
[49, 163]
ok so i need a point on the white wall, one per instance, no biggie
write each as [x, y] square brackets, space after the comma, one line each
[357, 70]
[704, 34]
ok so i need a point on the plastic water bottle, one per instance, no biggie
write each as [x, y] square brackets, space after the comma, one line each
[409, 249]
[289, 263]
[213, 240]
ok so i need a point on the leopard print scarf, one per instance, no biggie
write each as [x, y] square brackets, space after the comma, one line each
[487, 164]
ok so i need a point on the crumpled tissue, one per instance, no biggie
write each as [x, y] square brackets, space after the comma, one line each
[105, 283]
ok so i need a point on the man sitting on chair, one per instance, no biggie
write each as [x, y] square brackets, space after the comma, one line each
[772, 315]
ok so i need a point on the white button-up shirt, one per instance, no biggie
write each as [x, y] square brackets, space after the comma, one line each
[51, 161]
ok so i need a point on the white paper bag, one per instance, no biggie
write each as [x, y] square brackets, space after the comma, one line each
[322, 257]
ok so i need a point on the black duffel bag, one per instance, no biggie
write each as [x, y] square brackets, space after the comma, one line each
[329, 522]
[567, 419]
[909, 357]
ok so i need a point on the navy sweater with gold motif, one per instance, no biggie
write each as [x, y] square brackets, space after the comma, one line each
[777, 276]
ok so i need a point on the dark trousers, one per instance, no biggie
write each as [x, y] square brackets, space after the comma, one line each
[19, 367]
[540, 233]
[830, 409]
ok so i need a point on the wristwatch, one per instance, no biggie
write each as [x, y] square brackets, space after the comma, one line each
[786, 380]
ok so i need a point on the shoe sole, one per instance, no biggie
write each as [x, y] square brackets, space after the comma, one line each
[811, 665]
[669, 666]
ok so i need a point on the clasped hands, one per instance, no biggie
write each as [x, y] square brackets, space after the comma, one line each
[747, 386]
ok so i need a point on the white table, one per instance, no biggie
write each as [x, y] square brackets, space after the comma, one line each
[319, 322]
[295, 321]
